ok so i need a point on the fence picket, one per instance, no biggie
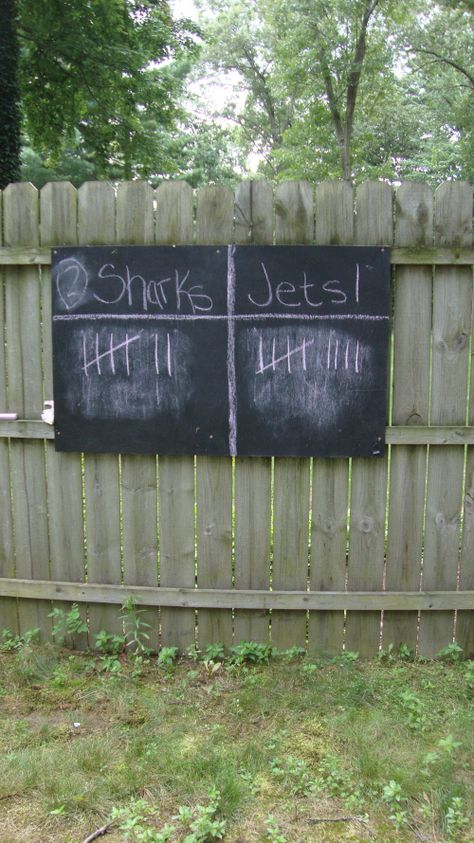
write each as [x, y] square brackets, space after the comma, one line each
[368, 476]
[294, 225]
[58, 211]
[253, 476]
[176, 474]
[101, 471]
[465, 620]
[452, 300]
[413, 293]
[214, 219]
[334, 225]
[135, 225]
[25, 395]
[8, 607]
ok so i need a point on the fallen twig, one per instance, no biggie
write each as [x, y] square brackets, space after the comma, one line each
[98, 833]
[314, 820]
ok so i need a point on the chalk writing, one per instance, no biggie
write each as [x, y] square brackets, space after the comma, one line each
[210, 350]
[286, 292]
[71, 282]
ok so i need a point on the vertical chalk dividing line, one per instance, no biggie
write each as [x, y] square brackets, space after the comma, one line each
[231, 378]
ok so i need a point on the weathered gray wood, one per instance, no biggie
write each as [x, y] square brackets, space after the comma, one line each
[452, 301]
[433, 435]
[294, 224]
[8, 607]
[334, 225]
[101, 471]
[24, 378]
[411, 382]
[58, 213]
[253, 224]
[419, 255]
[416, 256]
[26, 429]
[214, 220]
[368, 476]
[174, 215]
[292, 601]
[138, 478]
[22, 256]
[394, 435]
[465, 620]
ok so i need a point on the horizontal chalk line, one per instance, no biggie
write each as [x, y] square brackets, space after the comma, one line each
[247, 317]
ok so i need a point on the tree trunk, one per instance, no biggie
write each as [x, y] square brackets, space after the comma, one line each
[346, 165]
[10, 118]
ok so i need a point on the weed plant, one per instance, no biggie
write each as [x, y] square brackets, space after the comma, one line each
[253, 745]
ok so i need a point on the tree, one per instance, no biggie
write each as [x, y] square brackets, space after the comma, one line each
[239, 49]
[319, 80]
[9, 96]
[440, 52]
[99, 76]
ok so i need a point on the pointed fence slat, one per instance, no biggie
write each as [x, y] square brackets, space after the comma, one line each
[369, 476]
[294, 225]
[334, 225]
[174, 225]
[253, 476]
[215, 212]
[101, 471]
[452, 302]
[138, 477]
[8, 607]
[25, 396]
[411, 382]
[58, 211]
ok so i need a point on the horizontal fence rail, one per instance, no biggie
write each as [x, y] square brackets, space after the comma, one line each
[398, 257]
[321, 553]
[199, 598]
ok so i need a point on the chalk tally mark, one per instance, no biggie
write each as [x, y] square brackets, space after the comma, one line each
[290, 352]
[109, 353]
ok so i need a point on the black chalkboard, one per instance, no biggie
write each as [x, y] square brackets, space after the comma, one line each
[251, 350]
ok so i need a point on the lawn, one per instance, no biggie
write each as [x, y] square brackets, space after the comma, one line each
[253, 747]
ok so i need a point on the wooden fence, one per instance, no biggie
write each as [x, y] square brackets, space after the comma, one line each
[323, 553]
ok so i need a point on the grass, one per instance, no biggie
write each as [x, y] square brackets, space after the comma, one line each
[253, 748]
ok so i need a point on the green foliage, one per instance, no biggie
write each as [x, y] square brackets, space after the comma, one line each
[10, 641]
[67, 623]
[167, 656]
[135, 628]
[250, 652]
[108, 643]
[102, 78]
[201, 822]
[452, 653]
[9, 99]
[214, 652]
[455, 820]
[350, 88]
[272, 830]
[414, 711]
